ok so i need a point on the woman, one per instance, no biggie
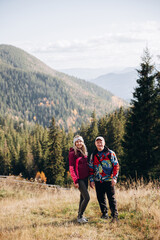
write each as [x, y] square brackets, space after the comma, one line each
[78, 166]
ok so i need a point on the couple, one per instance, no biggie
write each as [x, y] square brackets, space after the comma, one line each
[102, 171]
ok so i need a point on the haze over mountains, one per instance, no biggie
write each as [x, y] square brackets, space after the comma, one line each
[87, 73]
[32, 90]
[120, 82]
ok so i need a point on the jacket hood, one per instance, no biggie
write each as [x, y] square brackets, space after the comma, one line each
[71, 149]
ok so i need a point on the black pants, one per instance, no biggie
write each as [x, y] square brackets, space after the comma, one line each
[106, 188]
[84, 196]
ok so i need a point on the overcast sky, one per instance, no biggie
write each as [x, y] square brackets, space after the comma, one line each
[82, 33]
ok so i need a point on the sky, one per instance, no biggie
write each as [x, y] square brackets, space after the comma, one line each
[91, 34]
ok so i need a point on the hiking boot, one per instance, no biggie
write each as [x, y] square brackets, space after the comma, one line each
[114, 219]
[85, 218]
[105, 216]
[82, 220]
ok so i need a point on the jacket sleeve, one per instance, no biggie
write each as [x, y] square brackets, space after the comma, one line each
[72, 167]
[91, 169]
[115, 165]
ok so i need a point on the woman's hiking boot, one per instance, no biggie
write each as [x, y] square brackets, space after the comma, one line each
[82, 220]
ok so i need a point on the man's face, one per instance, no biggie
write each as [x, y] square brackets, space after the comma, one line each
[100, 145]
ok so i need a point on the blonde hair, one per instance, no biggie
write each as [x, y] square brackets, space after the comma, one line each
[83, 149]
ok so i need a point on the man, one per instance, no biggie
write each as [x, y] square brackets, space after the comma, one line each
[103, 170]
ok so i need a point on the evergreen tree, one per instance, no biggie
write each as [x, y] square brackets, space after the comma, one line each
[156, 169]
[139, 141]
[6, 159]
[111, 127]
[55, 165]
[2, 163]
[14, 160]
[92, 133]
[64, 149]
[102, 125]
[84, 132]
[29, 166]
[45, 149]
[67, 143]
[21, 167]
[110, 131]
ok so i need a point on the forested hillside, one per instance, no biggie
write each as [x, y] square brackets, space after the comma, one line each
[33, 91]
[28, 148]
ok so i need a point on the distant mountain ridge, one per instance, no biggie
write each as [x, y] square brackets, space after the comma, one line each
[86, 73]
[32, 90]
[120, 84]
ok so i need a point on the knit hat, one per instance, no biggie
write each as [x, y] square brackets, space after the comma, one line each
[76, 138]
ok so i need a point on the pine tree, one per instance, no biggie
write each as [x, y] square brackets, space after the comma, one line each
[21, 166]
[64, 148]
[139, 143]
[67, 143]
[70, 136]
[92, 133]
[102, 125]
[156, 168]
[45, 149]
[2, 140]
[118, 125]
[55, 165]
[14, 160]
[111, 127]
[84, 132]
[6, 159]
[2, 163]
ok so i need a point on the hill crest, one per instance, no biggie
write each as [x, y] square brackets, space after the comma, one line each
[33, 90]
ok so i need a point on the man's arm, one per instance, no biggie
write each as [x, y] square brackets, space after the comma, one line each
[115, 165]
[91, 172]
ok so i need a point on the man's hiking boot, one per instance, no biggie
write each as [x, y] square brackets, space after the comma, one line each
[114, 219]
[105, 216]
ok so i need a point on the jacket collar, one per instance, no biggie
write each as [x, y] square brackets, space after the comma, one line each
[106, 149]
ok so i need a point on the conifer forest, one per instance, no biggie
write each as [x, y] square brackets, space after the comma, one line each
[133, 134]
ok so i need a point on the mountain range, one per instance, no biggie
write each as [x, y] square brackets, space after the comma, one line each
[30, 89]
[121, 82]
[87, 73]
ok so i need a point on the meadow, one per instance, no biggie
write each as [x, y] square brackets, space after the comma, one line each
[33, 212]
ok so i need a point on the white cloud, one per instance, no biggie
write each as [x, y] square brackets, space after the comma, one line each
[122, 45]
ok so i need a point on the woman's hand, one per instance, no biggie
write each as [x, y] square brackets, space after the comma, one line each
[76, 185]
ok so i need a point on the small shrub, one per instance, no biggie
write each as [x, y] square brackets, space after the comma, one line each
[40, 177]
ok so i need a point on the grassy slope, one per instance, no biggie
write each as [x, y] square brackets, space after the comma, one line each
[30, 214]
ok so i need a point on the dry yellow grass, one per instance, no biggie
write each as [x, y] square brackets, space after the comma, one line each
[31, 213]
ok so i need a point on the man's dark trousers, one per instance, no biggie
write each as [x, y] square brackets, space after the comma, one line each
[103, 188]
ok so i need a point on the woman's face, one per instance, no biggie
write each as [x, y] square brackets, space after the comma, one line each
[79, 144]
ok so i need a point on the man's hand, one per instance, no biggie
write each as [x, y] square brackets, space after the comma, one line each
[92, 185]
[114, 181]
[76, 185]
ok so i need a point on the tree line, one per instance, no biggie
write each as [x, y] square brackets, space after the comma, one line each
[133, 134]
